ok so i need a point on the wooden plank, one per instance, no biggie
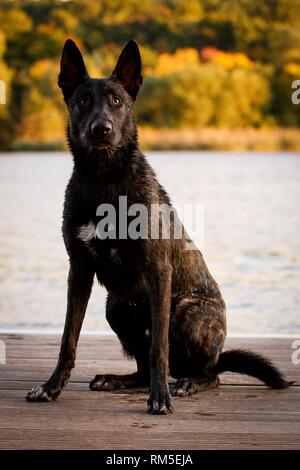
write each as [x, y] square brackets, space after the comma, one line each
[240, 414]
[250, 399]
[34, 356]
[87, 374]
[143, 438]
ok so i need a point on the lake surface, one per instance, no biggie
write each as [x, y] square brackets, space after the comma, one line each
[251, 236]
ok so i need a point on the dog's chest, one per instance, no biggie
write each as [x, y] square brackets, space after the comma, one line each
[118, 262]
[97, 245]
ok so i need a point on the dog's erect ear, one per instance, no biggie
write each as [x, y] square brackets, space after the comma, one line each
[128, 69]
[72, 69]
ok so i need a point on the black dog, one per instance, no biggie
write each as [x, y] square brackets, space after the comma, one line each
[162, 302]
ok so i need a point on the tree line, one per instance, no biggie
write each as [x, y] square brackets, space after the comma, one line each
[206, 62]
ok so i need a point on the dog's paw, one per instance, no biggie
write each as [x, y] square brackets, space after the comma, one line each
[186, 387]
[183, 387]
[43, 393]
[159, 402]
[105, 383]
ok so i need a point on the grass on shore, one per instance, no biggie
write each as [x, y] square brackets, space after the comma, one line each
[221, 139]
[242, 139]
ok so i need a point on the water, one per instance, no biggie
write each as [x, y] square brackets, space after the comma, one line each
[251, 244]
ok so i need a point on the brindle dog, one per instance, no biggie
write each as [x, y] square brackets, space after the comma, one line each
[162, 302]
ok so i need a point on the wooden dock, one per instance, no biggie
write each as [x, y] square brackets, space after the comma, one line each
[240, 414]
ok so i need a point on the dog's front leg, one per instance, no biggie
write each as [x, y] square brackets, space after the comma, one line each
[159, 401]
[79, 288]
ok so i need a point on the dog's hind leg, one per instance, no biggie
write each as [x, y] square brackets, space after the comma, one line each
[184, 387]
[132, 325]
[197, 334]
[200, 379]
[107, 382]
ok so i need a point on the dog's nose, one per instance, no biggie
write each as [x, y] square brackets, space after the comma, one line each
[101, 127]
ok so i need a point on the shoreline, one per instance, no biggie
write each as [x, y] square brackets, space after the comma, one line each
[54, 331]
[215, 139]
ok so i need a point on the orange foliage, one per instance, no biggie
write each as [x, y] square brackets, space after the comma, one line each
[170, 63]
[226, 60]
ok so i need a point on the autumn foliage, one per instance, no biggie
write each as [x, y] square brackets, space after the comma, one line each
[207, 63]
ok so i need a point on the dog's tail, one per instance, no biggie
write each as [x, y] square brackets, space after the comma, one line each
[255, 365]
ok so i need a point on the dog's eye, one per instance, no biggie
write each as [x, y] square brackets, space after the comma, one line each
[84, 101]
[116, 100]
